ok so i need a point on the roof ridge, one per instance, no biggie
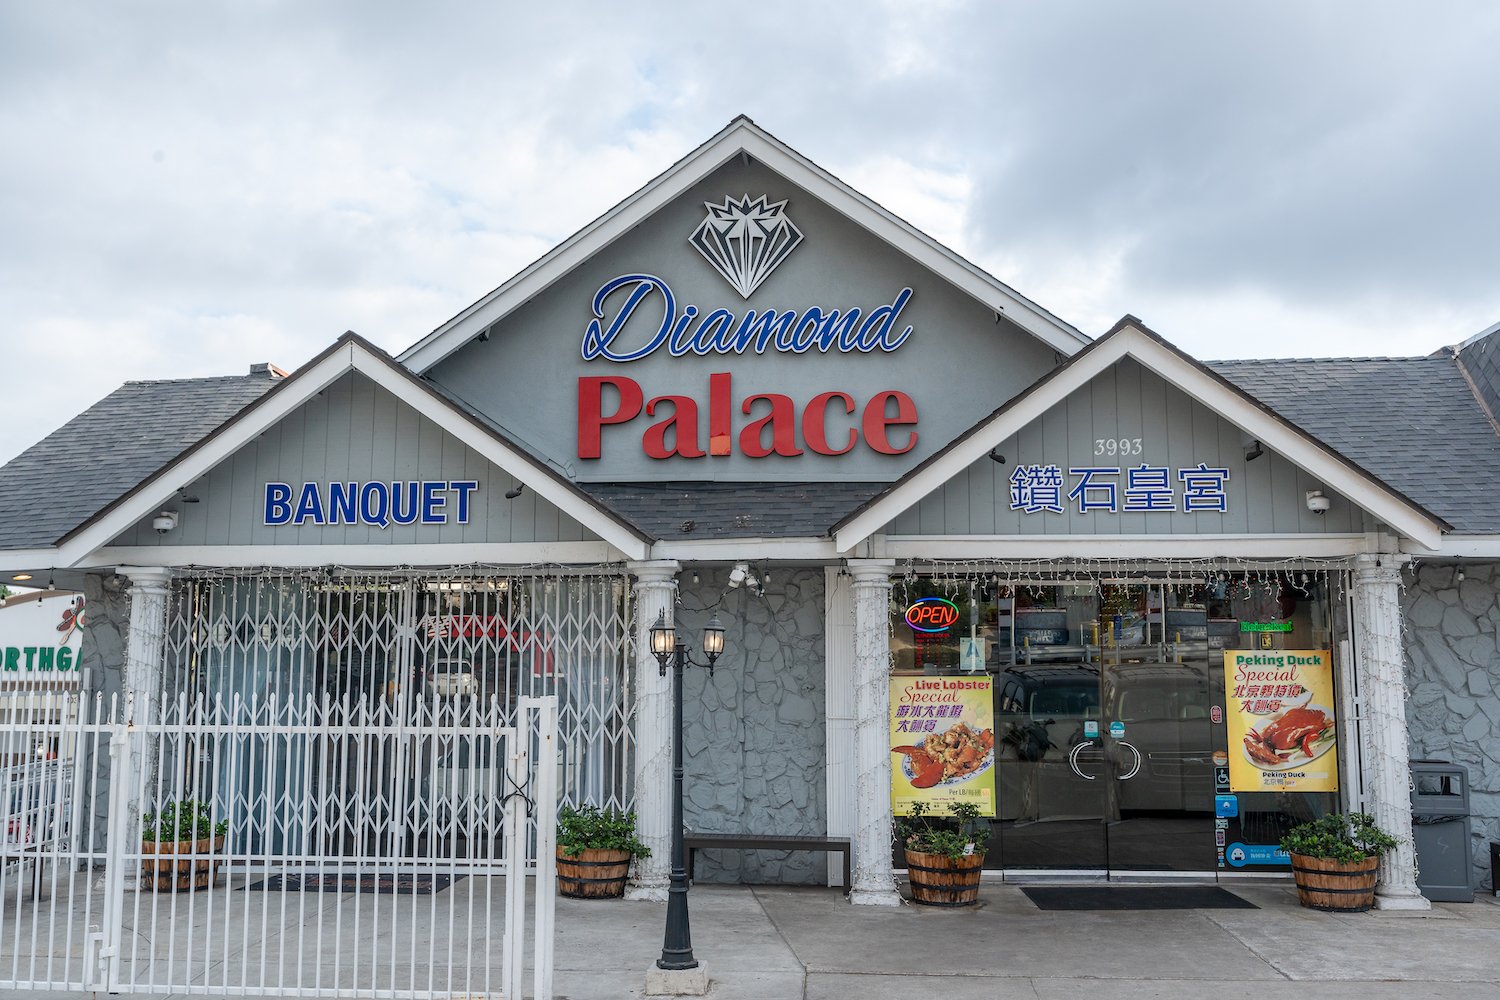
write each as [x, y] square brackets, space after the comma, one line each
[1368, 357]
[199, 378]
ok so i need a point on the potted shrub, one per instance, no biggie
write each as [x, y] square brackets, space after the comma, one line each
[944, 854]
[1334, 860]
[594, 851]
[180, 844]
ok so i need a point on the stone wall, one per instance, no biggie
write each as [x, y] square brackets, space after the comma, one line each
[755, 732]
[1453, 677]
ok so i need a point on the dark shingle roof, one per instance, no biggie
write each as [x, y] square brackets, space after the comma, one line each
[732, 510]
[107, 450]
[1480, 358]
[1412, 422]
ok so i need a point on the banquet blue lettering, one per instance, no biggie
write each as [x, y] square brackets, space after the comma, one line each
[379, 504]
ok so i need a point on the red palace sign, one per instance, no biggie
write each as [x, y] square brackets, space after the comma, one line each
[831, 423]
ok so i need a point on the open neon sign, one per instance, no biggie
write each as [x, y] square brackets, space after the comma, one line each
[932, 614]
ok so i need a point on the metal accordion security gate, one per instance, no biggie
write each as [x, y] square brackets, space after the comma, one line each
[339, 790]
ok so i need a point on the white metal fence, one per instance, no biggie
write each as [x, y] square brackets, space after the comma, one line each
[347, 847]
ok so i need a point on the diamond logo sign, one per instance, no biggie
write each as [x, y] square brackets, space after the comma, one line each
[746, 239]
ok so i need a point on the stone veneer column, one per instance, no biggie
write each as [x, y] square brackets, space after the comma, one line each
[1385, 750]
[145, 647]
[655, 592]
[874, 882]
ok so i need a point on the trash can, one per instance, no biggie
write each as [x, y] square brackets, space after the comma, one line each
[1440, 830]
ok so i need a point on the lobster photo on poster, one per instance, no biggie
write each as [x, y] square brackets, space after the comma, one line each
[1281, 719]
[943, 739]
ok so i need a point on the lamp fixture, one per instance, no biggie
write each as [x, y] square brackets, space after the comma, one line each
[1254, 451]
[996, 457]
[512, 494]
[21, 577]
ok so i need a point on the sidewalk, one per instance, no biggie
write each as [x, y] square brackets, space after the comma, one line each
[773, 943]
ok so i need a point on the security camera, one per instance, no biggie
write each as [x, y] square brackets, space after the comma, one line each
[164, 522]
[1317, 502]
[738, 575]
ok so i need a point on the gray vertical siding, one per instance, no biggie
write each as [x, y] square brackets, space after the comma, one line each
[1265, 496]
[355, 431]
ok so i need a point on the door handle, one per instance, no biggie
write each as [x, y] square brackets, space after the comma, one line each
[1135, 769]
[1073, 759]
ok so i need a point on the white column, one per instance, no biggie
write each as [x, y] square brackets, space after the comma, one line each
[1382, 692]
[874, 882]
[655, 592]
[145, 648]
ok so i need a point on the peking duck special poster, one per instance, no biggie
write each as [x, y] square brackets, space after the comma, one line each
[943, 742]
[1282, 724]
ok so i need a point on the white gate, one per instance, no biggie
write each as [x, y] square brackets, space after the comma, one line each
[312, 847]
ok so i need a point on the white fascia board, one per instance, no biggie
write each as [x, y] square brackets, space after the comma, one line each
[739, 137]
[383, 556]
[349, 357]
[1299, 449]
[22, 560]
[516, 463]
[1457, 547]
[745, 549]
[908, 493]
[225, 443]
[1141, 547]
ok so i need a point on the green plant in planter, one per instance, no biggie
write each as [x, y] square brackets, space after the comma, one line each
[1347, 838]
[591, 828]
[189, 819]
[954, 836]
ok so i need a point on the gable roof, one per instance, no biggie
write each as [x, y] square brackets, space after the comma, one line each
[1412, 421]
[349, 353]
[741, 136]
[1130, 337]
[111, 448]
[732, 509]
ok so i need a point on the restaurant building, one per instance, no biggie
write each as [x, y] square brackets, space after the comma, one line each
[749, 390]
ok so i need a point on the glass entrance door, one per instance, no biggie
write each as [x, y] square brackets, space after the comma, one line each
[1104, 737]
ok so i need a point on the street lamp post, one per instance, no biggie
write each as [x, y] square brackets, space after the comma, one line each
[677, 943]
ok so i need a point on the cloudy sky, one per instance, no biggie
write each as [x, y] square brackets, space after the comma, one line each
[186, 188]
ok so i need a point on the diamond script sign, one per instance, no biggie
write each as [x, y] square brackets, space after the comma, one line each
[745, 240]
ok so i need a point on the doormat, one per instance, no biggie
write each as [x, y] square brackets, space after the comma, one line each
[404, 884]
[1135, 897]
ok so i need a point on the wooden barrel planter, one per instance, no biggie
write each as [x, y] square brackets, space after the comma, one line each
[1335, 886]
[595, 873]
[938, 880]
[172, 869]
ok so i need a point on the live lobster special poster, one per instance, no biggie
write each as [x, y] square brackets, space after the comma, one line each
[1282, 724]
[942, 743]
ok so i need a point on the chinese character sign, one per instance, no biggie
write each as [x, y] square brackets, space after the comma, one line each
[942, 743]
[1282, 724]
[1038, 489]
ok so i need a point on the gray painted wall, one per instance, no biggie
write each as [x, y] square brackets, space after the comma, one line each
[754, 731]
[959, 364]
[1453, 676]
[355, 431]
[1128, 401]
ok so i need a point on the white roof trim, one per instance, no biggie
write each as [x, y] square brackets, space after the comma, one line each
[741, 136]
[437, 554]
[1456, 547]
[1144, 547]
[303, 386]
[1130, 341]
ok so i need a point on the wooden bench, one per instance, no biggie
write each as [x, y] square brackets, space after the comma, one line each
[692, 843]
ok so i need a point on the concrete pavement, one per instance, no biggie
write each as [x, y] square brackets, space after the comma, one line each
[773, 943]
